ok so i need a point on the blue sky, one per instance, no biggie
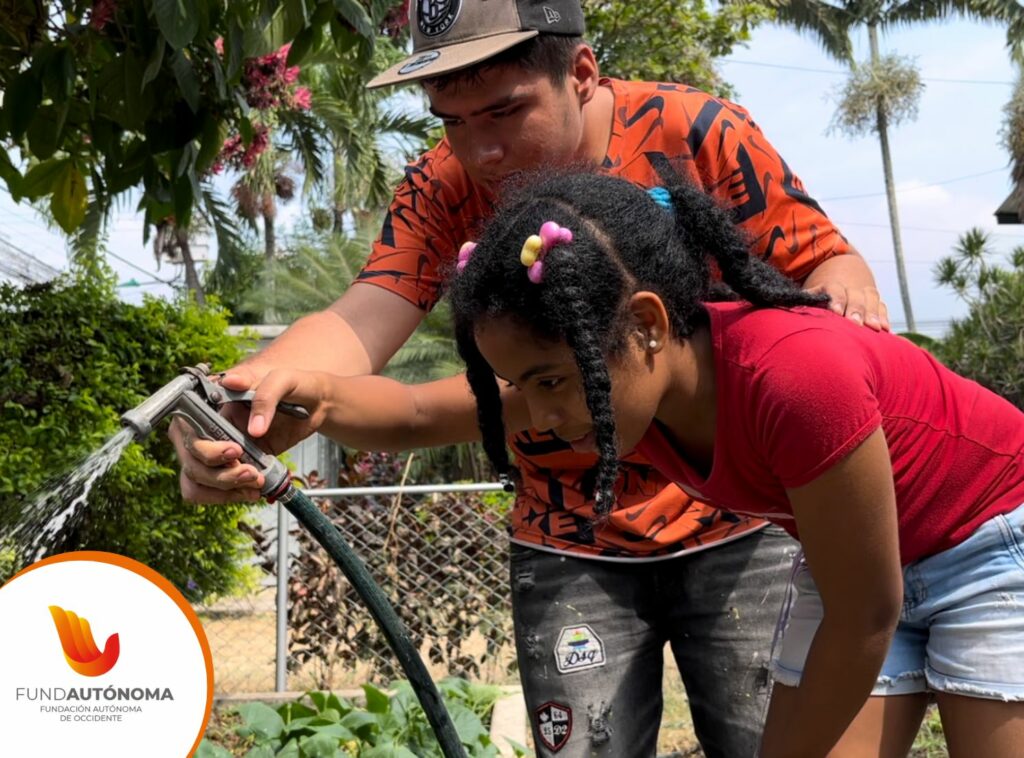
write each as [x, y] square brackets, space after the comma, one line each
[955, 135]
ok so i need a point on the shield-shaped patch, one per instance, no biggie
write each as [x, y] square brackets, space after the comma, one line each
[554, 725]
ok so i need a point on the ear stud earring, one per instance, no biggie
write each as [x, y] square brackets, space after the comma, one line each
[652, 344]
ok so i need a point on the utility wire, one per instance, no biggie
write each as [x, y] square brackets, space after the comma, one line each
[912, 189]
[841, 72]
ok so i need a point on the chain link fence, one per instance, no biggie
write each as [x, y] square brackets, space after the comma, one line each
[440, 557]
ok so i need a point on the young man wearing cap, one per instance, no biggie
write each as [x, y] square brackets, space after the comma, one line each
[517, 88]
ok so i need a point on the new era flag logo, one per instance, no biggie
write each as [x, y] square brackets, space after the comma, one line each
[551, 15]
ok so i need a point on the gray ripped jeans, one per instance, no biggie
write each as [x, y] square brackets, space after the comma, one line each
[590, 636]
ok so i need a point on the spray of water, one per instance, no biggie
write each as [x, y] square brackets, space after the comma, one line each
[43, 526]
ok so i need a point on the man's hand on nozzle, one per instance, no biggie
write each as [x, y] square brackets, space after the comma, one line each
[210, 470]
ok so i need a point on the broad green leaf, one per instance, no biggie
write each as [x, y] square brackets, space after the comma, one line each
[294, 711]
[69, 198]
[321, 745]
[20, 103]
[353, 12]
[245, 130]
[59, 74]
[289, 19]
[184, 195]
[360, 722]
[185, 75]
[466, 723]
[291, 750]
[211, 140]
[260, 720]
[387, 750]
[11, 176]
[209, 749]
[301, 46]
[376, 701]
[44, 131]
[261, 751]
[178, 21]
[156, 60]
[41, 178]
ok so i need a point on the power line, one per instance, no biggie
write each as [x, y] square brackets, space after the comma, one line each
[840, 72]
[140, 269]
[913, 189]
[925, 229]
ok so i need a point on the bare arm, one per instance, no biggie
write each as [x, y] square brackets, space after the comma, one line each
[356, 335]
[848, 529]
[851, 285]
[376, 413]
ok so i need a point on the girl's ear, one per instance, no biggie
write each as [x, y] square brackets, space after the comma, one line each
[651, 319]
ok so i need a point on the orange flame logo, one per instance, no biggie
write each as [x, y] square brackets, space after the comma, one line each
[80, 650]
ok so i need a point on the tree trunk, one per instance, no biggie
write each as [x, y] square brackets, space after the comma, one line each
[269, 251]
[191, 275]
[890, 192]
[269, 238]
[339, 173]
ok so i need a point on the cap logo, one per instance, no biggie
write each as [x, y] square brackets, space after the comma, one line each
[420, 61]
[551, 15]
[436, 17]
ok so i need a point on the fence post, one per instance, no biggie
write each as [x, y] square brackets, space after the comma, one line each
[281, 659]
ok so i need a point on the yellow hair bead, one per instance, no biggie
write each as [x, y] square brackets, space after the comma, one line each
[531, 249]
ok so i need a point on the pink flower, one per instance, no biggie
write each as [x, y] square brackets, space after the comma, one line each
[396, 19]
[218, 45]
[302, 98]
[102, 12]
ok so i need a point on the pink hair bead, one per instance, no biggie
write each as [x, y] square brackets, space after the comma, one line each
[467, 249]
[535, 272]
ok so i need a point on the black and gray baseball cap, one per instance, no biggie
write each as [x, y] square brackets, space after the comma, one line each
[451, 34]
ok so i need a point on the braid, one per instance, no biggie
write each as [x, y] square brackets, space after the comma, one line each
[488, 399]
[702, 224]
[580, 334]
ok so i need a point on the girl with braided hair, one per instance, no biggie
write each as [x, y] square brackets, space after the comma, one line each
[594, 304]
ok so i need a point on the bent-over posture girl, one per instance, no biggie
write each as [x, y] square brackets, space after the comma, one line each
[902, 480]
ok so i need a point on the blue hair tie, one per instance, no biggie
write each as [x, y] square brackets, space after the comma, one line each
[661, 196]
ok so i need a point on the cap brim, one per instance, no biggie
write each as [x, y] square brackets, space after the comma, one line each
[444, 60]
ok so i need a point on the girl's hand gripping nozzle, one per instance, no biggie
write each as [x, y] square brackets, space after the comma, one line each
[197, 400]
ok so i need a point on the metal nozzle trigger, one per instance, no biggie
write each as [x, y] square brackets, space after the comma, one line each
[218, 396]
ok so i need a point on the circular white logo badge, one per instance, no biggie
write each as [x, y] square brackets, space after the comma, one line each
[435, 17]
[102, 656]
[421, 61]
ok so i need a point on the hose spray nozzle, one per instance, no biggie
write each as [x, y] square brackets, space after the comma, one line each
[197, 400]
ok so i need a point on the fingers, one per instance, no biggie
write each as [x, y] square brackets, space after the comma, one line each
[211, 471]
[862, 305]
[197, 494]
[272, 389]
[189, 446]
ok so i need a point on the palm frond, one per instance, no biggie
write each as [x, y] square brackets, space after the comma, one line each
[828, 24]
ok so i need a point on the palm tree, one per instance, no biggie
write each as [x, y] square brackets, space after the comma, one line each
[830, 22]
[367, 136]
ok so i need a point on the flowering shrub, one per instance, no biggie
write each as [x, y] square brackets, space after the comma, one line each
[269, 83]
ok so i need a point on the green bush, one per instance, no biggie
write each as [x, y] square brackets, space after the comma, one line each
[987, 345]
[72, 359]
[321, 724]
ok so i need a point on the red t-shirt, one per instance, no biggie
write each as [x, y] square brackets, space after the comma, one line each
[661, 133]
[799, 389]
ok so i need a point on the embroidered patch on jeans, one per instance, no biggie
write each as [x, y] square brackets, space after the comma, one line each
[554, 725]
[578, 648]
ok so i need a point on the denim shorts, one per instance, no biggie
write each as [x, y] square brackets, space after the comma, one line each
[961, 630]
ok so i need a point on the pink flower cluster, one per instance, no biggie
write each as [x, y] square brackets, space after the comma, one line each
[396, 19]
[237, 155]
[269, 82]
[102, 12]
